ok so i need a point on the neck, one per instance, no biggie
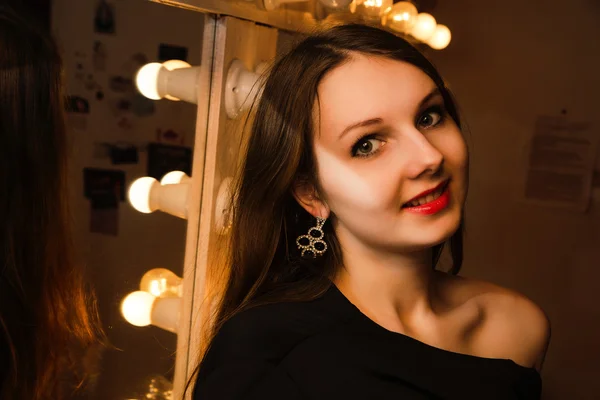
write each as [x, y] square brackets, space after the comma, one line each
[390, 288]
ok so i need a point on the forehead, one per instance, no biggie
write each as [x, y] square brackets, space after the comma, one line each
[370, 87]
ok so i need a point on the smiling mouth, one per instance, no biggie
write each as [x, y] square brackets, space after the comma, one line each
[429, 197]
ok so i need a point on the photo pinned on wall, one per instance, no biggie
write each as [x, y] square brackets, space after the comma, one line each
[78, 109]
[104, 183]
[121, 84]
[77, 105]
[104, 20]
[105, 189]
[100, 56]
[123, 153]
[120, 106]
[163, 159]
[168, 52]
[560, 165]
[170, 136]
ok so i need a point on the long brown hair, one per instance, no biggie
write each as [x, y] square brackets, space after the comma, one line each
[47, 322]
[262, 264]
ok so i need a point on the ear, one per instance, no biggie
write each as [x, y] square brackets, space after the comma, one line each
[306, 195]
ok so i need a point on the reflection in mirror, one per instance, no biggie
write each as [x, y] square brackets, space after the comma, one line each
[118, 135]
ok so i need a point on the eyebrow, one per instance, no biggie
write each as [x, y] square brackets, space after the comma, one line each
[374, 121]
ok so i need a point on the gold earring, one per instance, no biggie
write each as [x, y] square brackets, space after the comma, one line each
[312, 244]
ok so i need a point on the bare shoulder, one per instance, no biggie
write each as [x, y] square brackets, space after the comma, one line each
[512, 326]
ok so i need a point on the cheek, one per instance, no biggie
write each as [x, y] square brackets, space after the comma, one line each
[346, 189]
[454, 148]
[456, 156]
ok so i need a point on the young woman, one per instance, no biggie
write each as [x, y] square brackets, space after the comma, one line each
[46, 326]
[354, 179]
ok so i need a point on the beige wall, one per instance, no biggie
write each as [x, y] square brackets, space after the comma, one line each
[510, 61]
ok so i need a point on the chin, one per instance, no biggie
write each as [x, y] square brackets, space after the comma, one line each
[433, 232]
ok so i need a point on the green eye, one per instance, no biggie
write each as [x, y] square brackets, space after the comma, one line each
[366, 147]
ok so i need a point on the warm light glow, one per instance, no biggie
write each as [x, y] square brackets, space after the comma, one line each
[424, 27]
[175, 64]
[440, 38]
[401, 17]
[147, 80]
[222, 211]
[336, 3]
[160, 282]
[174, 177]
[371, 9]
[139, 194]
[271, 5]
[166, 312]
[242, 87]
[137, 308]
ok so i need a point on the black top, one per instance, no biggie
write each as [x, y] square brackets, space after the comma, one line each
[328, 349]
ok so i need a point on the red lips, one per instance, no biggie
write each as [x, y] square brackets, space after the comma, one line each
[425, 193]
[434, 206]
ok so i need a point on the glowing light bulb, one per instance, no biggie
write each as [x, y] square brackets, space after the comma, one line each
[137, 308]
[372, 9]
[174, 177]
[140, 194]
[147, 80]
[160, 282]
[402, 17]
[174, 79]
[440, 38]
[147, 195]
[424, 27]
[142, 309]
[336, 3]
[175, 64]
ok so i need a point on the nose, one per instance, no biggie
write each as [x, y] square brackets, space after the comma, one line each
[425, 158]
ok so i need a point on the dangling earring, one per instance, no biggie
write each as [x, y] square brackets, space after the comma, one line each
[312, 244]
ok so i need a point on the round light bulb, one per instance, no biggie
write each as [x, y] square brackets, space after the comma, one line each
[175, 64]
[440, 38]
[402, 17]
[139, 194]
[372, 9]
[160, 282]
[336, 3]
[137, 308]
[174, 177]
[424, 27]
[146, 80]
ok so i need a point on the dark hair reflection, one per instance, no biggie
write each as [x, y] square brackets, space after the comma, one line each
[47, 322]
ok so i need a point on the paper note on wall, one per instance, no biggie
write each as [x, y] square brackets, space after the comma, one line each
[561, 163]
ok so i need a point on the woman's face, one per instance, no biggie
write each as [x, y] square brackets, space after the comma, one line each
[383, 139]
